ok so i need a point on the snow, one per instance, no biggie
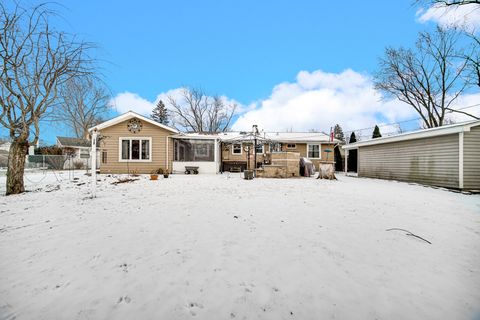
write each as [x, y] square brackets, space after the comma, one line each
[219, 247]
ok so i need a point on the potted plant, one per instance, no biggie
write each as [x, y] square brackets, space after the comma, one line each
[154, 174]
[165, 173]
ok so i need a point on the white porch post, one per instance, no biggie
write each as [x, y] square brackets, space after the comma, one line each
[93, 165]
[215, 157]
[166, 159]
[346, 161]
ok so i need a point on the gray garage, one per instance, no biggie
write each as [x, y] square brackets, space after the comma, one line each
[447, 156]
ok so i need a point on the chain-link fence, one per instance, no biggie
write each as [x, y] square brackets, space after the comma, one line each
[57, 162]
[3, 159]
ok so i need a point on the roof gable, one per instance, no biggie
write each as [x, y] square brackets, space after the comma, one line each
[127, 116]
[73, 142]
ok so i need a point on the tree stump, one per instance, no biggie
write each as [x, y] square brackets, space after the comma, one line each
[326, 171]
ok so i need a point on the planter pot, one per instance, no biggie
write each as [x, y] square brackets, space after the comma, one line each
[154, 177]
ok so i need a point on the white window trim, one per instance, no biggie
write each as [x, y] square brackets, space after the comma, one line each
[263, 149]
[130, 155]
[319, 150]
[291, 148]
[241, 149]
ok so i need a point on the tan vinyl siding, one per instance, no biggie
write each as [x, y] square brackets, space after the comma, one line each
[471, 159]
[110, 144]
[432, 161]
[302, 149]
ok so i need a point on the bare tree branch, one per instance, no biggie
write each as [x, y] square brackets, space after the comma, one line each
[195, 111]
[429, 78]
[36, 61]
[83, 103]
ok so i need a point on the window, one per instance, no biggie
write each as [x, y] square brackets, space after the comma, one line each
[260, 148]
[237, 148]
[291, 146]
[84, 153]
[104, 156]
[135, 149]
[314, 151]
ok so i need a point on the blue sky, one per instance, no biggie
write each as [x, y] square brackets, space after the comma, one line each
[241, 49]
[289, 64]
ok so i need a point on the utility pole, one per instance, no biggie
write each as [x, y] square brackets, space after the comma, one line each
[93, 166]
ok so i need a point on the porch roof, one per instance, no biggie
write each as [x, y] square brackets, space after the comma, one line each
[244, 136]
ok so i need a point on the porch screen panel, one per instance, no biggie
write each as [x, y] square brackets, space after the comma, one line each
[194, 150]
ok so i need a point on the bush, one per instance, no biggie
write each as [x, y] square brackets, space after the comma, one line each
[78, 165]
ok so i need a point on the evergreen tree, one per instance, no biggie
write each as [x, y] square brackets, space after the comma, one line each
[353, 138]
[338, 133]
[376, 132]
[160, 113]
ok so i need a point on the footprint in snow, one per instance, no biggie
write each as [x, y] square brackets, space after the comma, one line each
[124, 267]
[194, 307]
[125, 299]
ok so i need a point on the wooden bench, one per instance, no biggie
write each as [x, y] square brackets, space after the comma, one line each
[191, 169]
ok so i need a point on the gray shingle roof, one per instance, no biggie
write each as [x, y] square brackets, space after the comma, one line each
[74, 142]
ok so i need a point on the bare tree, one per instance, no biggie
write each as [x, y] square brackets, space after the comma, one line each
[36, 60]
[473, 58]
[196, 111]
[83, 103]
[428, 78]
[448, 3]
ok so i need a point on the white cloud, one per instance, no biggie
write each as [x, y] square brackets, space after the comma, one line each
[465, 16]
[128, 101]
[318, 100]
[471, 105]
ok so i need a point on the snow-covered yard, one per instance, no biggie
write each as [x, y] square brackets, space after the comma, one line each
[219, 247]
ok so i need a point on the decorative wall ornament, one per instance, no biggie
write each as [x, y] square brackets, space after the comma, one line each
[134, 125]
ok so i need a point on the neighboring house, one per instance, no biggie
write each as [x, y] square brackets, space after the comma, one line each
[447, 156]
[133, 143]
[4, 152]
[81, 148]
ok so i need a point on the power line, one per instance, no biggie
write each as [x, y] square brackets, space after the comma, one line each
[410, 120]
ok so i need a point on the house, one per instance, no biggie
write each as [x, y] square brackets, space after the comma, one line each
[447, 156]
[133, 143]
[81, 151]
[316, 146]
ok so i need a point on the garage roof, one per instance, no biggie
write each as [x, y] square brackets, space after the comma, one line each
[425, 133]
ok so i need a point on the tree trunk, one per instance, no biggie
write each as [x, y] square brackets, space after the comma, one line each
[16, 167]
